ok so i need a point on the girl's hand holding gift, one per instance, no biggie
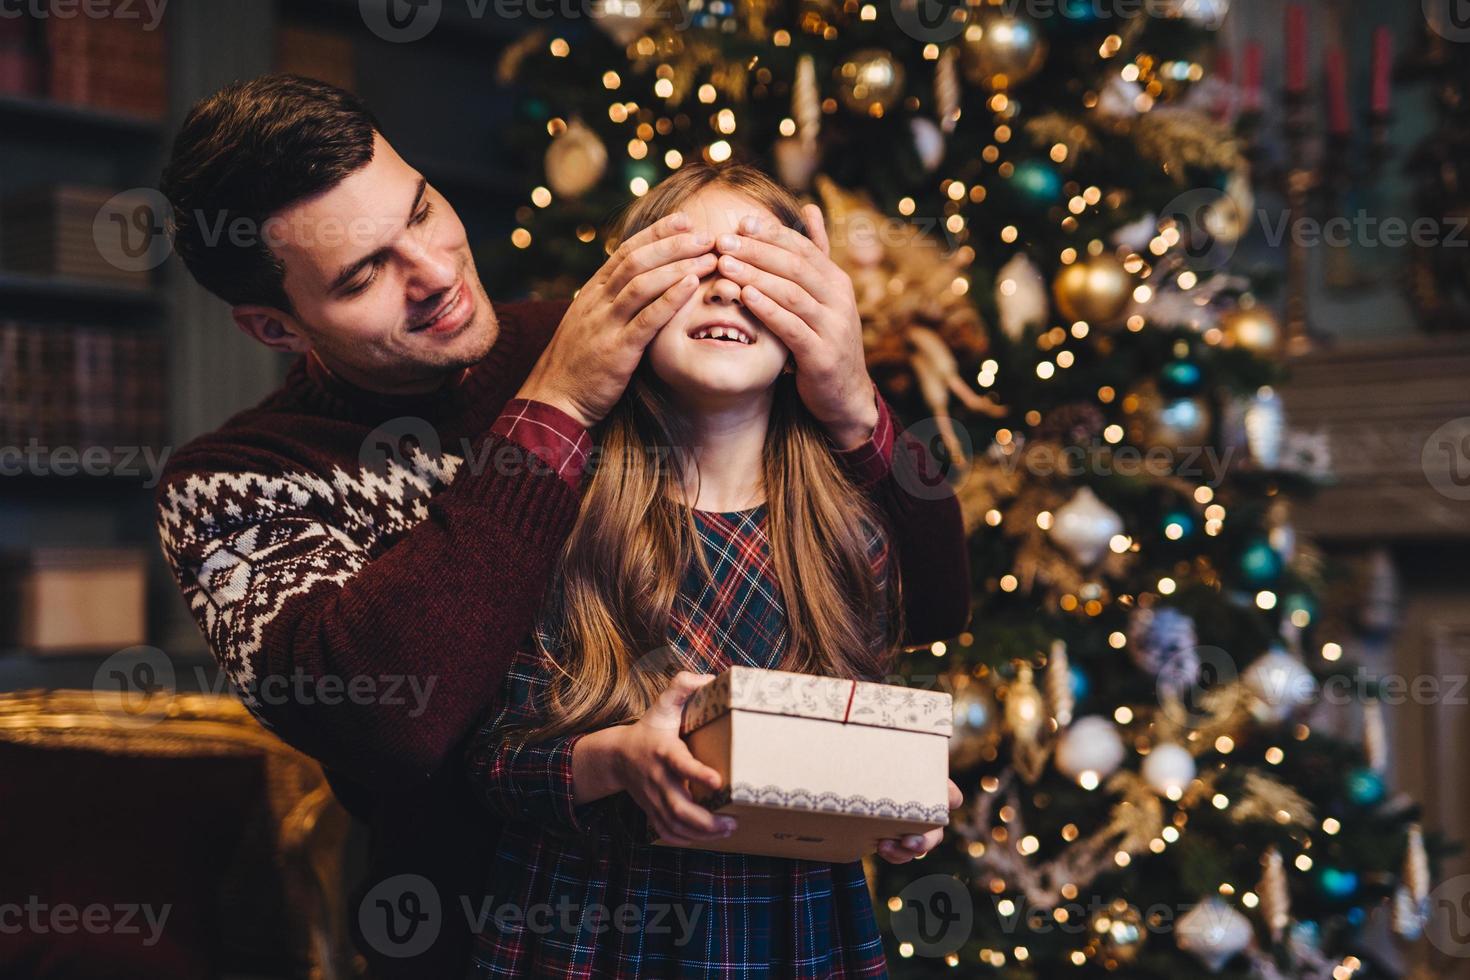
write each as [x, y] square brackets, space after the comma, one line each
[648, 760]
[789, 282]
[905, 849]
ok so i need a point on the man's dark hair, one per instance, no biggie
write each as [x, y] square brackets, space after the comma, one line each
[248, 152]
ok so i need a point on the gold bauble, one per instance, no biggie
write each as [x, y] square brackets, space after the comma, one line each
[1254, 328]
[1116, 934]
[575, 161]
[976, 725]
[1175, 424]
[1176, 77]
[1002, 49]
[870, 82]
[1095, 289]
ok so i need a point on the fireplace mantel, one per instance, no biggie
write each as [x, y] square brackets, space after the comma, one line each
[1379, 404]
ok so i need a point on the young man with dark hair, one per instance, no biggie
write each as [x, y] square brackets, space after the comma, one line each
[365, 548]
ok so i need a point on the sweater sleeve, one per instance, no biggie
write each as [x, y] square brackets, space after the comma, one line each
[376, 662]
[528, 781]
[932, 553]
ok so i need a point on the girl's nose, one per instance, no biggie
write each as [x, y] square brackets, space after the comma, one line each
[723, 292]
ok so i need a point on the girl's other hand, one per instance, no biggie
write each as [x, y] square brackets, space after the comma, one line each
[653, 765]
[905, 849]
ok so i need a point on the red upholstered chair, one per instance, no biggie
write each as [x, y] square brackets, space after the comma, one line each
[173, 839]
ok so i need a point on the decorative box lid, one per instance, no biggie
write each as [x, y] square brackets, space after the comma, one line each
[780, 692]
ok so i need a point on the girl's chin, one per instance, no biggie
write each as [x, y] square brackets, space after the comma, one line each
[695, 387]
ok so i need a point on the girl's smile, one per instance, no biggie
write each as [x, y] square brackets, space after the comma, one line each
[714, 346]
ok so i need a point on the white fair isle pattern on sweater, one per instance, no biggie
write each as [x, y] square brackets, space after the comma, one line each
[244, 545]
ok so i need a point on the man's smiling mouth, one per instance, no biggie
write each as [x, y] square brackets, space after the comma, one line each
[450, 305]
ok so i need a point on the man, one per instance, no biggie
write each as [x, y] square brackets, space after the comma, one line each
[365, 548]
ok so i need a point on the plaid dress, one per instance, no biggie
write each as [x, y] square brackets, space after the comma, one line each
[573, 892]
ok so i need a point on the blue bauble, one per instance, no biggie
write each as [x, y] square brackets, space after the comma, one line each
[641, 168]
[1337, 883]
[1260, 563]
[1308, 933]
[1076, 16]
[1180, 378]
[1037, 182]
[1356, 916]
[1365, 787]
[1080, 684]
[1183, 519]
[1300, 601]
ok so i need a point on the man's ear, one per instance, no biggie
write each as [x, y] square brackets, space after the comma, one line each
[271, 327]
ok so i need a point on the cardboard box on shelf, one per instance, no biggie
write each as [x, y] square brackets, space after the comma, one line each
[820, 768]
[76, 600]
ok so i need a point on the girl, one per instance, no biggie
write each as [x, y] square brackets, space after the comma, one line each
[717, 529]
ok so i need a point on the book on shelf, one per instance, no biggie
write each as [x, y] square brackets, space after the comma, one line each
[54, 231]
[80, 387]
[113, 62]
[316, 53]
[20, 65]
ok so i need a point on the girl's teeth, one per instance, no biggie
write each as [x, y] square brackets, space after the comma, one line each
[721, 333]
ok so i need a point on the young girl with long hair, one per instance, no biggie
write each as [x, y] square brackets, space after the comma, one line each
[718, 528]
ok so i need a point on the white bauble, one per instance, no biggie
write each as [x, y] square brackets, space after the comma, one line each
[928, 141]
[575, 161]
[1083, 526]
[1280, 683]
[1209, 14]
[1265, 427]
[625, 20]
[1020, 296]
[1118, 100]
[1091, 744]
[796, 162]
[1213, 932]
[1168, 769]
[1136, 235]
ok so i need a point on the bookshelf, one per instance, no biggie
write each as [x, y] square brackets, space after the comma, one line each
[43, 114]
[83, 106]
[22, 286]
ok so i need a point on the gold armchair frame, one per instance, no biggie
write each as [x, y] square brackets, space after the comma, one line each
[310, 826]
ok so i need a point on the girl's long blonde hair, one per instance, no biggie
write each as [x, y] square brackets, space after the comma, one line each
[634, 538]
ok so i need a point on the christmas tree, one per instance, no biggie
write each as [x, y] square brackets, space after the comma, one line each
[1038, 215]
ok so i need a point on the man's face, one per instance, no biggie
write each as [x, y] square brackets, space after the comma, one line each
[380, 274]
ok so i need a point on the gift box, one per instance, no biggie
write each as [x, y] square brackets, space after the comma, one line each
[820, 768]
[56, 600]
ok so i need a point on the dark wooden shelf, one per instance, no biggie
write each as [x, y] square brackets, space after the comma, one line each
[62, 290]
[457, 23]
[22, 108]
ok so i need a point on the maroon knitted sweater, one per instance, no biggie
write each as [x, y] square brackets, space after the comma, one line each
[364, 566]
